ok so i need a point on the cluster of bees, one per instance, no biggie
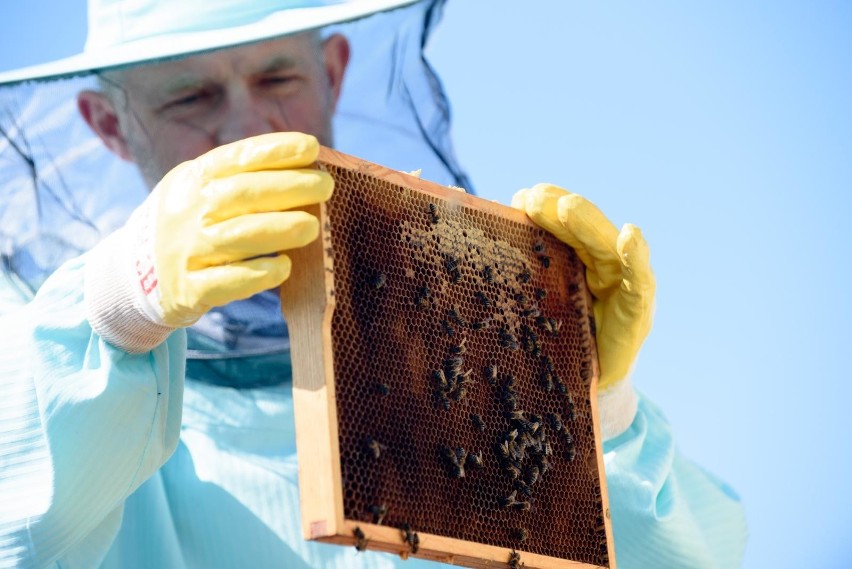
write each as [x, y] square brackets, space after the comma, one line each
[451, 380]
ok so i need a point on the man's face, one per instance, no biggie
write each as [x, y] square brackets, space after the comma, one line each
[171, 112]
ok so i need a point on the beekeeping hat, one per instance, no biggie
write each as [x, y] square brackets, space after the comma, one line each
[129, 32]
[61, 190]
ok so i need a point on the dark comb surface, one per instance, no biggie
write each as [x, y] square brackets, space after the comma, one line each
[462, 359]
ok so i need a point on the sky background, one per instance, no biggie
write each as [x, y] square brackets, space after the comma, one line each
[724, 130]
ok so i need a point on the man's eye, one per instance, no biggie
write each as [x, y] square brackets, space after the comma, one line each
[189, 100]
[275, 80]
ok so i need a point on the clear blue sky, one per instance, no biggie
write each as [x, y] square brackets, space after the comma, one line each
[724, 130]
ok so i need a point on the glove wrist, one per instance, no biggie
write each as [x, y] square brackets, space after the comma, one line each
[617, 407]
[116, 306]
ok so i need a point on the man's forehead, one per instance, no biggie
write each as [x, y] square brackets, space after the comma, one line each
[261, 57]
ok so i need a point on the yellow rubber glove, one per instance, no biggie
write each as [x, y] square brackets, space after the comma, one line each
[213, 228]
[618, 272]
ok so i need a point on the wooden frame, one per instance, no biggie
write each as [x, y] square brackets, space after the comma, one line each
[308, 306]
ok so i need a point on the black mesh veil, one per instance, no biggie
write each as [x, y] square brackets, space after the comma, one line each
[63, 191]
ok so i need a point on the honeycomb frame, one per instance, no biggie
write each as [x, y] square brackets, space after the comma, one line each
[397, 314]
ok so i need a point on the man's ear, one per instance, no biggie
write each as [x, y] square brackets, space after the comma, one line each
[336, 52]
[99, 113]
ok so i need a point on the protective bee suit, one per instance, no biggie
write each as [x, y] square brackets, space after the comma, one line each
[184, 455]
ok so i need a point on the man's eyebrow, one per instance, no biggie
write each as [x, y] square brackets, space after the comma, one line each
[186, 83]
[278, 63]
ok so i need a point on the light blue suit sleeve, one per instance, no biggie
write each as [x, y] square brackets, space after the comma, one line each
[82, 424]
[666, 511]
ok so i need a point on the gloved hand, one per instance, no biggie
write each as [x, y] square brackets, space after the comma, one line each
[211, 232]
[618, 272]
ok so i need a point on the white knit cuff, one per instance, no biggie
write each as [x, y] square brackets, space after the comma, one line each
[617, 408]
[113, 307]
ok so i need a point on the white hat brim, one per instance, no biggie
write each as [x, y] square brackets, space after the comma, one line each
[278, 24]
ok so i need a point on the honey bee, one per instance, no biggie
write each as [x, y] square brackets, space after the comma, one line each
[360, 539]
[433, 213]
[477, 422]
[440, 378]
[532, 475]
[547, 361]
[488, 274]
[455, 459]
[538, 247]
[524, 276]
[459, 348]
[572, 410]
[543, 465]
[410, 537]
[545, 261]
[422, 298]
[571, 453]
[522, 487]
[540, 293]
[573, 289]
[378, 280]
[554, 420]
[453, 365]
[452, 267]
[555, 325]
[374, 447]
[459, 392]
[379, 512]
[531, 312]
[507, 339]
[522, 299]
[448, 330]
[546, 379]
[455, 316]
[512, 471]
[519, 534]
[515, 561]
[491, 373]
[475, 460]
[503, 450]
[482, 298]
[560, 386]
[382, 389]
[523, 506]
[509, 500]
[507, 397]
[480, 324]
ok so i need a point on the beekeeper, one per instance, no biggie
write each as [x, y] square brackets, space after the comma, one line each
[146, 404]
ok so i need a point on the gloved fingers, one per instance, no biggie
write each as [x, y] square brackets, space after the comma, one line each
[638, 278]
[264, 152]
[539, 203]
[217, 286]
[269, 190]
[577, 222]
[251, 235]
[594, 238]
[625, 319]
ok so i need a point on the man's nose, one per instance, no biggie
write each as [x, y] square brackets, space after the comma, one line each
[245, 117]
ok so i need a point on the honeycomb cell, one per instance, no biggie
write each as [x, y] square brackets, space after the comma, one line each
[462, 348]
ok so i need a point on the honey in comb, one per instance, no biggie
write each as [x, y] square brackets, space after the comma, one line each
[478, 330]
